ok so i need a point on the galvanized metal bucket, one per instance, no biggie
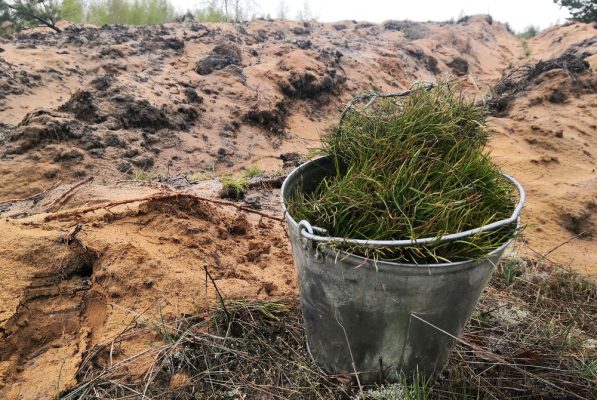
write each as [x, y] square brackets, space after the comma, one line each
[377, 319]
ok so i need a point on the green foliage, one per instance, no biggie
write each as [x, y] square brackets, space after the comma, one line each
[234, 188]
[407, 169]
[252, 171]
[211, 13]
[526, 50]
[18, 14]
[226, 10]
[587, 369]
[511, 267]
[72, 10]
[137, 12]
[581, 10]
[529, 32]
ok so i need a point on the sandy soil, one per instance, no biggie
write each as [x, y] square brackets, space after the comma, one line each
[183, 99]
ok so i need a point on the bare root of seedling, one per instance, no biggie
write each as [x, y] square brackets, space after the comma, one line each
[517, 80]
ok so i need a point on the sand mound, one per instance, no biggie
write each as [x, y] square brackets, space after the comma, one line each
[64, 295]
[142, 110]
[546, 138]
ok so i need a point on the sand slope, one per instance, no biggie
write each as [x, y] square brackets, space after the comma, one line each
[183, 99]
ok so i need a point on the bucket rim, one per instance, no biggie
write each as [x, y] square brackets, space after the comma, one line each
[342, 254]
[382, 262]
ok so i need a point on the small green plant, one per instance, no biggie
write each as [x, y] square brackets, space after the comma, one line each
[160, 327]
[415, 387]
[141, 175]
[234, 188]
[511, 267]
[587, 368]
[526, 50]
[252, 171]
[509, 273]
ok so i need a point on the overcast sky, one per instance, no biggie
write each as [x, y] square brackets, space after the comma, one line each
[519, 13]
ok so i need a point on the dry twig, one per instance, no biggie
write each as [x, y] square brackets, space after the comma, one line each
[35, 197]
[64, 197]
[154, 197]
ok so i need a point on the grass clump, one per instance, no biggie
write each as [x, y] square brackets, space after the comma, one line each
[526, 50]
[199, 177]
[234, 188]
[411, 168]
[141, 175]
[252, 171]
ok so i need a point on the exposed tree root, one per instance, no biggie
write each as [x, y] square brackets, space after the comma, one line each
[155, 197]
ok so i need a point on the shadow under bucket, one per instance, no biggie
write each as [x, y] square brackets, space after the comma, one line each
[383, 318]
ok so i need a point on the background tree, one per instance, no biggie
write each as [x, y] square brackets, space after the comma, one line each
[581, 10]
[72, 10]
[305, 13]
[529, 32]
[242, 9]
[29, 13]
[282, 10]
[137, 12]
[212, 12]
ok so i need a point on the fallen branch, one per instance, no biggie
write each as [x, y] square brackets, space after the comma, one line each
[68, 193]
[155, 197]
[33, 197]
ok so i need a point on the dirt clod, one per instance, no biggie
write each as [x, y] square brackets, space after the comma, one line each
[220, 57]
[82, 106]
[459, 66]
[273, 119]
[141, 114]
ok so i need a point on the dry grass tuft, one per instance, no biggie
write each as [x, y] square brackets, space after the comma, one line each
[532, 337]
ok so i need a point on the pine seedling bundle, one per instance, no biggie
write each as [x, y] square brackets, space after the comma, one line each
[411, 168]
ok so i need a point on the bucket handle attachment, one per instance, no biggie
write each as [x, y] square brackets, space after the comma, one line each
[306, 230]
[305, 226]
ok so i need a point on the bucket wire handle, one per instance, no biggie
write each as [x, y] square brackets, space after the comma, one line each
[306, 229]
